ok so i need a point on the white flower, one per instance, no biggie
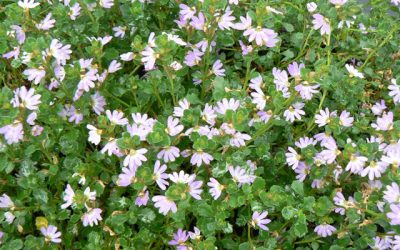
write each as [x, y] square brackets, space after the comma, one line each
[114, 66]
[168, 154]
[238, 139]
[240, 176]
[181, 177]
[106, 3]
[116, 117]
[27, 4]
[324, 117]
[47, 23]
[356, 163]
[94, 134]
[164, 204]
[174, 127]
[183, 105]
[224, 105]
[127, 56]
[6, 202]
[69, 195]
[50, 233]
[35, 75]
[311, 7]
[26, 99]
[259, 98]
[149, 57]
[292, 158]
[91, 217]
[119, 31]
[374, 170]
[353, 71]
[9, 217]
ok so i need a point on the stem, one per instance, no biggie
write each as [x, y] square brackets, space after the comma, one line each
[328, 45]
[171, 83]
[249, 235]
[246, 79]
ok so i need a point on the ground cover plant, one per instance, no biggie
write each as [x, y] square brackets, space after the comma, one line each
[207, 124]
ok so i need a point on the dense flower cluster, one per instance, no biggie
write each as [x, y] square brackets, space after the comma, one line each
[199, 124]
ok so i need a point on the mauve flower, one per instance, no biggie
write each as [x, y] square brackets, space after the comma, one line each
[186, 12]
[238, 139]
[36, 130]
[394, 214]
[306, 90]
[194, 188]
[324, 117]
[240, 175]
[345, 119]
[322, 23]
[356, 163]
[208, 114]
[198, 22]
[20, 33]
[164, 204]
[262, 36]
[324, 230]
[259, 219]
[292, 158]
[98, 103]
[50, 233]
[338, 3]
[395, 2]
[246, 49]
[119, 31]
[87, 80]
[294, 69]
[13, 53]
[380, 243]
[215, 188]
[302, 171]
[395, 242]
[179, 240]
[305, 141]
[9, 217]
[224, 105]
[294, 112]
[91, 217]
[379, 107]
[173, 126]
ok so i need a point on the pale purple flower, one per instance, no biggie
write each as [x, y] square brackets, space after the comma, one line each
[164, 205]
[13, 53]
[379, 107]
[262, 36]
[294, 112]
[127, 57]
[35, 75]
[238, 139]
[302, 171]
[116, 117]
[215, 188]
[119, 31]
[19, 32]
[256, 83]
[200, 157]
[218, 69]
[176, 65]
[225, 22]
[149, 57]
[173, 126]
[91, 217]
[193, 57]
[304, 142]
[36, 130]
[384, 123]
[380, 243]
[6, 202]
[107, 4]
[340, 201]
[13, 133]
[356, 163]
[395, 242]
[338, 3]
[183, 105]
[26, 99]
[292, 158]
[294, 69]
[374, 170]
[345, 119]
[394, 91]
[198, 22]
[47, 23]
[259, 99]
[168, 154]
[74, 11]
[135, 157]
[324, 230]
[196, 235]
[260, 220]
[59, 51]
[50, 233]
[74, 115]
[142, 198]
[306, 90]
[114, 66]
[324, 117]
[394, 214]
[186, 12]
[246, 49]
[68, 198]
[98, 103]
[9, 217]
[311, 7]
[127, 177]
[322, 23]
[224, 105]
[353, 71]
[159, 175]
[111, 147]
[395, 2]
[179, 240]
[240, 176]
[208, 114]
[281, 79]
[392, 193]
[194, 188]
[87, 80]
